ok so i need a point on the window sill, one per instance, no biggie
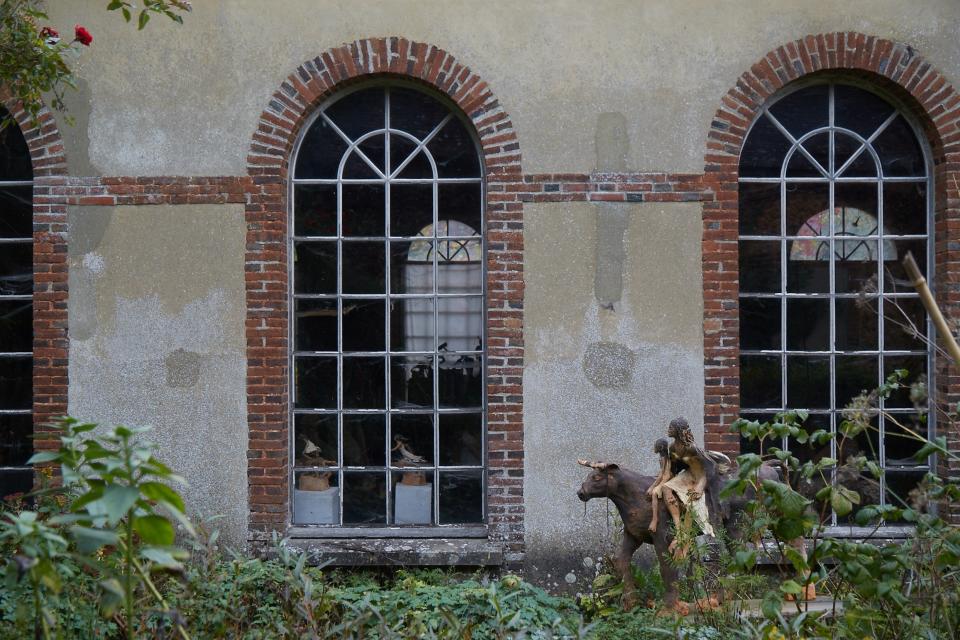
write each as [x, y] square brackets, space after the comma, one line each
[379, 552]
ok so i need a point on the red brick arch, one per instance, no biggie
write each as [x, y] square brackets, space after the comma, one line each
[266, 267]
[892, 66]
[50, 341]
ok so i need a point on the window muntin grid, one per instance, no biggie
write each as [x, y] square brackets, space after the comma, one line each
[417, 155]
[806, 340]
[16, 311]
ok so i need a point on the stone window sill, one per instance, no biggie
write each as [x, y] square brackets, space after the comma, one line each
[373, 552]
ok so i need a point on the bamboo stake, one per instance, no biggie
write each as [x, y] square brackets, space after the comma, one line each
[920, 284]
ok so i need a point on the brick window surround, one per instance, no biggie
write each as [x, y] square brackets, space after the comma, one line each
[50, 342]
[266, 270]
[905, 76]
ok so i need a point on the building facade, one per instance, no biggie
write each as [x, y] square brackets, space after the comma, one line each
[379, 273]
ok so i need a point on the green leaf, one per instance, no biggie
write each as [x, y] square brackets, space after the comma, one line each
[154, 530]
[126, 14]
[771, 605]
[89, 539]
[937, 445]
[44, 456]
[791, 587]
[116, 502]
[796, 559]
[840, 503]
[162, 493]
[163, 558]
[111, 596]
[114, 5]
[745, 560]
[865, 515]
[144, 18]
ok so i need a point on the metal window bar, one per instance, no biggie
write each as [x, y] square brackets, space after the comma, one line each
[831, 176]
[386, 178]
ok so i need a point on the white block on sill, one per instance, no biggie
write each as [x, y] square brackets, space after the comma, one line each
[412, 504]
[316, 507]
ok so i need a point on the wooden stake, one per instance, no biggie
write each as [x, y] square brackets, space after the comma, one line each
[943, 330]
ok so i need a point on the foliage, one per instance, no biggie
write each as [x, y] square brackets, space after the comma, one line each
[35, 60]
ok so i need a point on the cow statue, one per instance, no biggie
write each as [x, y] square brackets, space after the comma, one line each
[635, 495]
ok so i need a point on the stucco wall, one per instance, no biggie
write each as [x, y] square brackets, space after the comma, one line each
[185, 100]
[157, 338]
[603, 382]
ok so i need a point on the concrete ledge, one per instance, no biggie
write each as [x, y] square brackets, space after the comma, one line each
[401, 552]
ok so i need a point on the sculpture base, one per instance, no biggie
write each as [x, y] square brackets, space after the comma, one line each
[316, 507]
[412, 504]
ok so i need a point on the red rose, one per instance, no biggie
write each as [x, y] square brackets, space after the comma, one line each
[81, 35]
[48, 32]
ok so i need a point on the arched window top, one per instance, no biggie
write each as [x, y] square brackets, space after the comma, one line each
[387, 132]
[829, 131]
[15, 164]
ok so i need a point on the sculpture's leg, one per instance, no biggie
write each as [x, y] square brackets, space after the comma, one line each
[655, 510]
[623, 564]
[668, 571]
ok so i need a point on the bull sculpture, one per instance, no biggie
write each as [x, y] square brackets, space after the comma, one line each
[635, 495]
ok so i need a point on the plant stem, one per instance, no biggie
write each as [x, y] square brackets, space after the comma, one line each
[128, 583]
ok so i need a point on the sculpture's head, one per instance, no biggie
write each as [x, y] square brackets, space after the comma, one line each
[601, 482]
[661, 447]
[679, 429]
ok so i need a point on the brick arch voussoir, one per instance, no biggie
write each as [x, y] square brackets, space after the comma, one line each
[316, 79]
[42, 135]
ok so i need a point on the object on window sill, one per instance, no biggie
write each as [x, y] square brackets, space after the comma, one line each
[412, 501]
[313, 506]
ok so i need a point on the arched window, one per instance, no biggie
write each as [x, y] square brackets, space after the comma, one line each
[387, 283]
[16, 310]
[835, 189]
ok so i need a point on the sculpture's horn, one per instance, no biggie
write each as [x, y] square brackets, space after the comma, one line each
[600, 466]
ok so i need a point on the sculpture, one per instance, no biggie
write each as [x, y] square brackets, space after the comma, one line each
[641, 501]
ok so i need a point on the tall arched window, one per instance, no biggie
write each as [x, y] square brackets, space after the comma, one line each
[387, 311]
[16, 310]
[835, 188]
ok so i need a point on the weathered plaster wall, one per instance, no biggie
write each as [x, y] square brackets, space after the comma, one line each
[157, 338]
[185, 100]
[602, 383]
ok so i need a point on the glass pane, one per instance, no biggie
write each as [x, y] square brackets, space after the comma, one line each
[315, 267]
[807, 210]
[461, 439]
[460, 324]
[320, 152]
[364, 498]
[905, 208]
[461, 381]
[374, 148]
[356, 168]
[902, 438]
[412, 497]
[415, 112]
[818, 146]
[857, 324]
[359, 112]
[760, 381]
[899, 151]
[411, 440]
[411, 209]
[856, 265]
[902, 488]
[759, 209]
[461, 497]
[15, 481]
[364, 268]
[462, 203]
[16, 441]
[316, 325]
[411, 382]
[856, 209]
[808, 324]
[411, 324]
[315, 210]
[454, 152]
[847, 147]
[800, 166]
[759, 266]
[16, 211]
[364, 325]
[803, 111]
[363, 383]
[859, 110]
[759, 323]
[764, 150]
[16, 325]
[916, 367]
[808, 268]
[855, 375]
[417, 167]
[315, 440]
[411, 266]
[905, 321]
[316, 498]
[364, 209]
[895, 278]
[15, 161]
[16, 269]
[364, 440]
[316, 380]
[16, 383]
[808, 382]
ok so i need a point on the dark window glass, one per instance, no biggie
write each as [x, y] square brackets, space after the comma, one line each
[411, 209]
[759, 266]
[16, 211]
[364, 440]
[315, 440]
[315, 210]
[859, 110]
[415, 112]
[461, 496]
[808, 324]
[358, 112]
[454, 152]
[759, 209]
[461, 202]
[16, 325]
[16, 446]
[905, 204]
[763, 152]
[900, 153]
[759, 323]
[315, 267]
[16, 382]
[760, 382]
[15, 163]
[320, 152]
[804, 110]
[363, 209]
[408, 160]
[316, 380]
